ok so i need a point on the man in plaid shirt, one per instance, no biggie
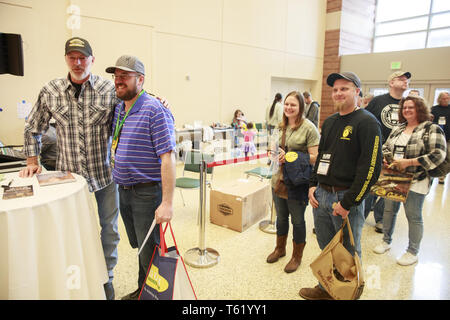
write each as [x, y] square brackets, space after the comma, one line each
[82, 105]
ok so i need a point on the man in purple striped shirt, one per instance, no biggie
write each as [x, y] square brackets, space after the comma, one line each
[143, 159]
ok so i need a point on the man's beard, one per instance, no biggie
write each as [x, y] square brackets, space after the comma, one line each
[339, 106]
[129, 94]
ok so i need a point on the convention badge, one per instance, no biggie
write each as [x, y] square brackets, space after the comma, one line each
[113, 158]
[442, 121]
[114, 145]
[113, 151]
[324, 164]
[291, 156]
[399, 152]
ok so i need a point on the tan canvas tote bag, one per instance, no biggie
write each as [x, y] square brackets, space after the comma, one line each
[337, 270]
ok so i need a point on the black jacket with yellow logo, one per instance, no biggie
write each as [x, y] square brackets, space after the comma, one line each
[352, 146]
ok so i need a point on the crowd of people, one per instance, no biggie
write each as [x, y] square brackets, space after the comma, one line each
[121, 139]
[365, 134]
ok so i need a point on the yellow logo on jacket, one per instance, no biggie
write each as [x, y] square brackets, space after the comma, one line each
[347, 132]
[156, 281]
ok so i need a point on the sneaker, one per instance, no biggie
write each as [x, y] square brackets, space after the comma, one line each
[132, 296]
[382, 248]
[441, 181]
[407, 259]
[379, 227]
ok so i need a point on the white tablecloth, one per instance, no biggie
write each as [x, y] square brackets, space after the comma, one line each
[50, 244]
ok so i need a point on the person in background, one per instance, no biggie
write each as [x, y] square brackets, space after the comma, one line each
[441, 116]
[414, 92]
[406, 149]
[143, 160]
[366, 99]
[82, 105]
[348, 164]
[385, 108]
[274, 113]
[49, 149]
[238, 123]
[311, 109]
[359, 102]
[249, 145]
[300, 135]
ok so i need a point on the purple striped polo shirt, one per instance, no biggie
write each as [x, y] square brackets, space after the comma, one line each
[147, 133]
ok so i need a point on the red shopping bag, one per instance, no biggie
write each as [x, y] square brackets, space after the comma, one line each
[167, 277]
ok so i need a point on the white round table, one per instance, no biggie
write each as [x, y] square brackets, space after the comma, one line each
[50, 244]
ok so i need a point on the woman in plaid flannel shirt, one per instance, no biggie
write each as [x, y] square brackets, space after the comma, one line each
[405, 150]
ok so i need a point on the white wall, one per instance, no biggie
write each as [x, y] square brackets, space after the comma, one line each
[207, 57]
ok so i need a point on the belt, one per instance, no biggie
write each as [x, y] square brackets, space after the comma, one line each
[332, 189]
[144, 184]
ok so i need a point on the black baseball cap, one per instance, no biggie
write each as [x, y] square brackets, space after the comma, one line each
[347, 75]
[80, 45]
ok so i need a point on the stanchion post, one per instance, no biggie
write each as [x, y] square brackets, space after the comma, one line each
[269, 226]
[202, 257]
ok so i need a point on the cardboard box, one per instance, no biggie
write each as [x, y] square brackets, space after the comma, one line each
[239, 204]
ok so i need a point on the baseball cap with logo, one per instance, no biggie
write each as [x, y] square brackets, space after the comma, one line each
[80, 45]
[397, 74]
[347, 75]
[127, 63]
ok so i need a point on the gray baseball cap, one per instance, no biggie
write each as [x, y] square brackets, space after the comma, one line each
[128, 63]
[347, 75]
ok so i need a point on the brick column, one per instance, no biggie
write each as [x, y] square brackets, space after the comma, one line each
[349, 31]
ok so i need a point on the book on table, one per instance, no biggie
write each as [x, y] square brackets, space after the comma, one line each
[56, 177]
[17, 192]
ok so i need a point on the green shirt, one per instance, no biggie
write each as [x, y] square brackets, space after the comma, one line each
[301, 139]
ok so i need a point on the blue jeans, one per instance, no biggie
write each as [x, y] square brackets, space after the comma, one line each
[297, 211]
[378, 207]
[137, 208]
[107, 204]
[327, 225]
[413, 210]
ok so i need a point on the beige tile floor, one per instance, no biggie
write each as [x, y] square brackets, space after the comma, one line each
[242, 272]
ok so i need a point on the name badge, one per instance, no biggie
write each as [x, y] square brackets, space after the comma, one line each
[442, 121]
[324, 164]
[113, 151]
[399, 152]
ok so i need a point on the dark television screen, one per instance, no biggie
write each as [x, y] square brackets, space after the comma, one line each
[11, 54]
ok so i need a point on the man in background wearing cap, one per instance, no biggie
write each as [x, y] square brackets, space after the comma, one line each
[82, 105]
[385, 108]
[348, 164]
[143, 160]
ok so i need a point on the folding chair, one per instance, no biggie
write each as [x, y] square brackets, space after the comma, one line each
[192, 162]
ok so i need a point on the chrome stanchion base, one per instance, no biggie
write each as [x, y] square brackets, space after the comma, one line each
[201, 258]
[268, 227]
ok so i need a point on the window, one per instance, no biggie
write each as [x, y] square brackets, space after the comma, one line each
[378, 91]
[411, 24]
[421, 92]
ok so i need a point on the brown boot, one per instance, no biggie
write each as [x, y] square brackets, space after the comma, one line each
[296, 259]
[280, 250]
[315, 293]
